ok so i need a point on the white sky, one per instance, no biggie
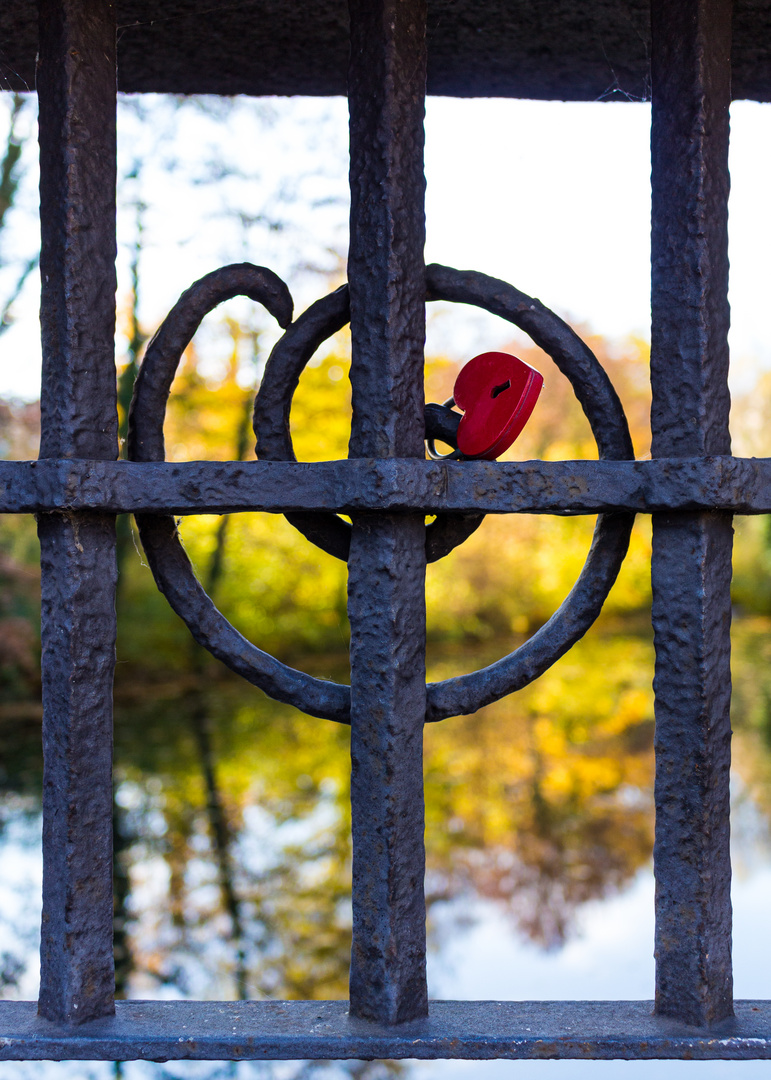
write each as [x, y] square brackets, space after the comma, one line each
[553, 197]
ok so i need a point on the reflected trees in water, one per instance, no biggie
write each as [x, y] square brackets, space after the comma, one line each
[539, 804]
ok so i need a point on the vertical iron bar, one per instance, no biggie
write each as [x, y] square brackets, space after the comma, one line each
[691, 92]
[77, 93]
[386, 568]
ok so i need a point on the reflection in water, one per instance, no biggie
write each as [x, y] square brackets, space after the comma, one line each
[232, 850]
[543, 801]
[234, 824]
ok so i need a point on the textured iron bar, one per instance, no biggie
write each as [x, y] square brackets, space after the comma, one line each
[281, 1030]
[386, 567]
[77, 92]
[739, 485]
[691, 47]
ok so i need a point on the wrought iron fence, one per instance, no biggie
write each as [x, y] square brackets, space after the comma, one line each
[692, 486]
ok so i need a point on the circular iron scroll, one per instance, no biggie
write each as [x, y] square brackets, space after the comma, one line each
[273, 405]
[174, 573]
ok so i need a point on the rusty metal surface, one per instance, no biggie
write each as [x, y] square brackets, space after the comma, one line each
[692, 618]
[509, 48]
[76, 87]
[689, 256]
[79, 574]
[566, 488]
[691, 552]
[386, 88]
[387, 557]
[77, 90]
[386, 605]
[280, 1030]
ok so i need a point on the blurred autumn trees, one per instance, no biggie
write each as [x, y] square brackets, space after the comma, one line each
[285, 594]
[279, 589]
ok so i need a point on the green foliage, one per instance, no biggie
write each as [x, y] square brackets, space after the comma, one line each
[289, 597]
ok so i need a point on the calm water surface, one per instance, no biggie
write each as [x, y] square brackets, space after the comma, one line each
[233, 856]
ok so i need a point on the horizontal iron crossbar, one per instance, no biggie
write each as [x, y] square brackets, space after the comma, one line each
[265, 1030]
[738, 485]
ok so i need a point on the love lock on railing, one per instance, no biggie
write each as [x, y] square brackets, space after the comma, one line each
[498, 393]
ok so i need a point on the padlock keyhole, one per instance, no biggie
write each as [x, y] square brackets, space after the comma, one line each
[496, 390]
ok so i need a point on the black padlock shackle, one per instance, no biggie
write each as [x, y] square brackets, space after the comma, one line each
[442, 423]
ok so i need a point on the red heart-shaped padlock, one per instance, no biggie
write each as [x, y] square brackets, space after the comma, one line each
[497, 393]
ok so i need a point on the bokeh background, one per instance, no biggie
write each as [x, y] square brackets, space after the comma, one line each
[232, 849]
